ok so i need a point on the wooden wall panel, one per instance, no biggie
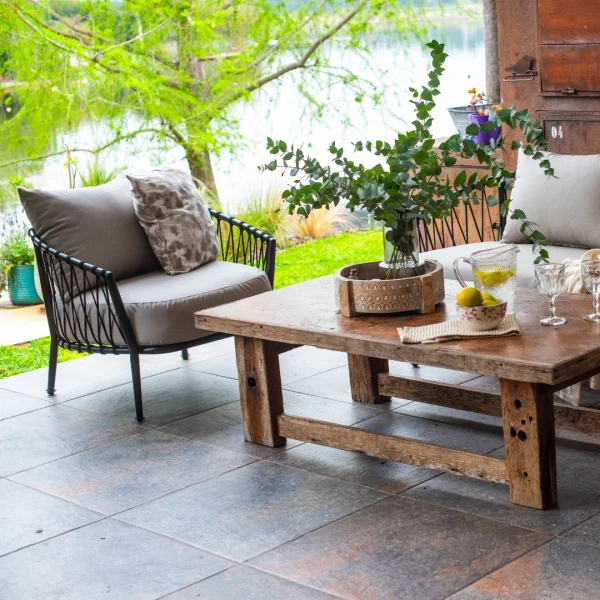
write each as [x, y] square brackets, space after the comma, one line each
[570, 69]
[572, 22]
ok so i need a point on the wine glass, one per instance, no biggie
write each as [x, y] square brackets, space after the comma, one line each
[590, 277]
[550, 279]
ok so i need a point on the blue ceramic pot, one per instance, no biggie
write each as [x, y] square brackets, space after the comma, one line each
[21, 286]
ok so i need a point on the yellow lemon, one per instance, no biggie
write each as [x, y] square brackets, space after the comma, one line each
[489, 303]
[488, 298]
[491, 279]
[469, 297]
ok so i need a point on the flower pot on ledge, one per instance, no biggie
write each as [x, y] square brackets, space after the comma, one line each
[483, 137]
[21, 286]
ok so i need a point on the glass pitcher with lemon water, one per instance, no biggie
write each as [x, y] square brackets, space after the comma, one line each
[494, 271]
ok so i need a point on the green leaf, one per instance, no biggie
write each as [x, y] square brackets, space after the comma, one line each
[491, 201]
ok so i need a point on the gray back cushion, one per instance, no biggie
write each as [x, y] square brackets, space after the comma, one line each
[173, 213]
[566, 208]
[96, 225]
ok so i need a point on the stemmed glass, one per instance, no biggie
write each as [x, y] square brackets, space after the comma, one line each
[590, 277]
[550, 279]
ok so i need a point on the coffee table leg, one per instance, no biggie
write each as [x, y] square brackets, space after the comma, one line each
[260, 389]
[363, 378]
[528, 421]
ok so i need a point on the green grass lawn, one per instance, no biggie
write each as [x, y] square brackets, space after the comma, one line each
[26, 357]
[299, 263]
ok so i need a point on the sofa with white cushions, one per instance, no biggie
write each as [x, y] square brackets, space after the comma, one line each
[566, 208]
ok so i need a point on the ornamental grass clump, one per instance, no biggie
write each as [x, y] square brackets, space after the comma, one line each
[409, 183]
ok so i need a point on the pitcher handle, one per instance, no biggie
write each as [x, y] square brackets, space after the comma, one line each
[457, 262]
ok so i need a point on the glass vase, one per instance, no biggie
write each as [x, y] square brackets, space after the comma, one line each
[401, 251]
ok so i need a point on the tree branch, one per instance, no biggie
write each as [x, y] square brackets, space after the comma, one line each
[117, 140]
[133, 39]
[302, 62]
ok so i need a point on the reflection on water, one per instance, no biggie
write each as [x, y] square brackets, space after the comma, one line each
[280, 113]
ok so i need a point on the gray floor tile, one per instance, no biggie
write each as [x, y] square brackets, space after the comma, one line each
[251, 510]
[78, 377]
[13, 404]
[384, 475]
[222, 427]
[578, 474]
[297, 364]
[467, 438]
[436, 374]
[560, 570]
[244, 583]
[324, 409]
[108, 559]
[335, 384]
[167, 397]
[28, 517]
[197, 354]
[399, 549]
[45, 435]
[485, 384]
[588, 532]
[123, 474]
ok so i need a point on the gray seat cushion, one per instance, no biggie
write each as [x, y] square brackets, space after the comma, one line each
[96, 225]
[161, 308]
[525, 258]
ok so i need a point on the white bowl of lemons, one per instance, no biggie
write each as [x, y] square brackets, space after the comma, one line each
[479, 311]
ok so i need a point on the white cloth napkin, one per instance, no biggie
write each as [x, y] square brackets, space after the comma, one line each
[455, 330]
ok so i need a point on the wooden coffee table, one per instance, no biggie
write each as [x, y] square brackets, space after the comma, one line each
[530, 367]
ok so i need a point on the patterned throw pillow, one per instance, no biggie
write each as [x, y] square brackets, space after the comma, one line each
[176, 220]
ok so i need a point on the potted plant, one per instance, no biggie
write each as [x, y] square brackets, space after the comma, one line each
[408, 182]
[461, 115]
[16, 265]
[481, 115]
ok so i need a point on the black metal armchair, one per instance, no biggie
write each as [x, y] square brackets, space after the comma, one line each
[86, 311]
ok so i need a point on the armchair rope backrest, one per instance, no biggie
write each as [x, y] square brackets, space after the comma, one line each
[84, 307]
[466, 224]
[242, 243]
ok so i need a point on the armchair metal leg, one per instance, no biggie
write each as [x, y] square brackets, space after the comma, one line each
[185, 354]
[52, 366]
[137, 385]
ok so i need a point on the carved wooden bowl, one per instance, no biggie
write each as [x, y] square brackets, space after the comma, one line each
[370, 295]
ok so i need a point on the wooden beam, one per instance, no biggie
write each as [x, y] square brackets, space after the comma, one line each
[571, 418]
[364, 384]
[261, 397]
[528, 423]
[401, 449]
[440, 394]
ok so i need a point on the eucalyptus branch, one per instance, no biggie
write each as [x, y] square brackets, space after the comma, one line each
[409, 183]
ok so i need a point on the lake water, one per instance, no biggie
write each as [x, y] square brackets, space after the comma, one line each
[281, 113]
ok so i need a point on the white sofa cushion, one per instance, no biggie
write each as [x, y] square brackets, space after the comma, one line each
[566, 208]
[525, 258]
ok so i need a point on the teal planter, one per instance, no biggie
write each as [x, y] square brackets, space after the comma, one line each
[21, 286]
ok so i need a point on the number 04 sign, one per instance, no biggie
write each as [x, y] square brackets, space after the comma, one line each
[557, 132]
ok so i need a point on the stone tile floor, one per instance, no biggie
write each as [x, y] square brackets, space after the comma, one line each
[94, 505]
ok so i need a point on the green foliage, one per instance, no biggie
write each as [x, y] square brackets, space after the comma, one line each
[30, 356]
[264, 209]
[325, 256]
[15, 248]
[97, 174]
[409, 181]
[170, 70]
